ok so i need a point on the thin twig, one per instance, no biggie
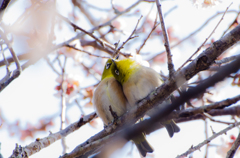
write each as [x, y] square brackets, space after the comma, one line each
[154, 27]
[235, 21]
[14, 56]
[194, 148]
[51, 65]
[81, 29]
[84, 51]
[206, 136]
[63, 105]
[10, 76]
[129, 38]
[189, 59]
[217, 121]
[80, 107]
[5, 60]
[166, 41]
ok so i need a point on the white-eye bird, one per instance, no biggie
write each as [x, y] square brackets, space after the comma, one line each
[108, 93]
[137, 82]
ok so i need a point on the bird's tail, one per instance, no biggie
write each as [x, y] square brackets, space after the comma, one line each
[143, 146]
[171, 127]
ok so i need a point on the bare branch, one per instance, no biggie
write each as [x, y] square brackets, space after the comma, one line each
[166, 44]
[84, 51]
[217, 105]
[192, 149]
[63, 105]
[154, 27]
[10, 76]
[226, 60]
[235, 22]
[51, 65]
[206, 136]
[40, 144]
[81, 29]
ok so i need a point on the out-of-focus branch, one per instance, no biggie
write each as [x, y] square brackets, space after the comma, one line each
[192, 149]
[81, 29]
[10, 76]
[24, 56]
[3, 7]
[235, 22]
[40, 144]
[38, 56]
[63, 103]
[234, 148]
[166, 41]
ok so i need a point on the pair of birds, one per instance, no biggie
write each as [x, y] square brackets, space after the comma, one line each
[123, 83]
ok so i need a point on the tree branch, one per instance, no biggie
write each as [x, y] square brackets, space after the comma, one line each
[192, 149]
[40, 144]
[166, 44]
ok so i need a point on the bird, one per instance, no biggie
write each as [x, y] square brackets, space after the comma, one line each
[137, 82]
[108, 98]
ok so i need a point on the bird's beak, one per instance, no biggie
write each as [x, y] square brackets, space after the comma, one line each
[117, 57]
[114, 62]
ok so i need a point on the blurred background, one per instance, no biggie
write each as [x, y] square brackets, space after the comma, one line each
[42, 35]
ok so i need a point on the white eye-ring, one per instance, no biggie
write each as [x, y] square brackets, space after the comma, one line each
[117, 72]
[108, 65]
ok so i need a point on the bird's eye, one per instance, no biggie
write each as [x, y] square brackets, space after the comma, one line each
[117, 72]
[108, 65]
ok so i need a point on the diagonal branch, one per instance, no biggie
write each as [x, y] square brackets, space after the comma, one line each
[192, 149]
[40, 144]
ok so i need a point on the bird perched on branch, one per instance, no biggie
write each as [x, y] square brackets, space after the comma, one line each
[137, 82]
[109, 99]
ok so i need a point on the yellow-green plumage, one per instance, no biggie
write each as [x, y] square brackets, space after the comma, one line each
[137, 82]
[110, 92]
